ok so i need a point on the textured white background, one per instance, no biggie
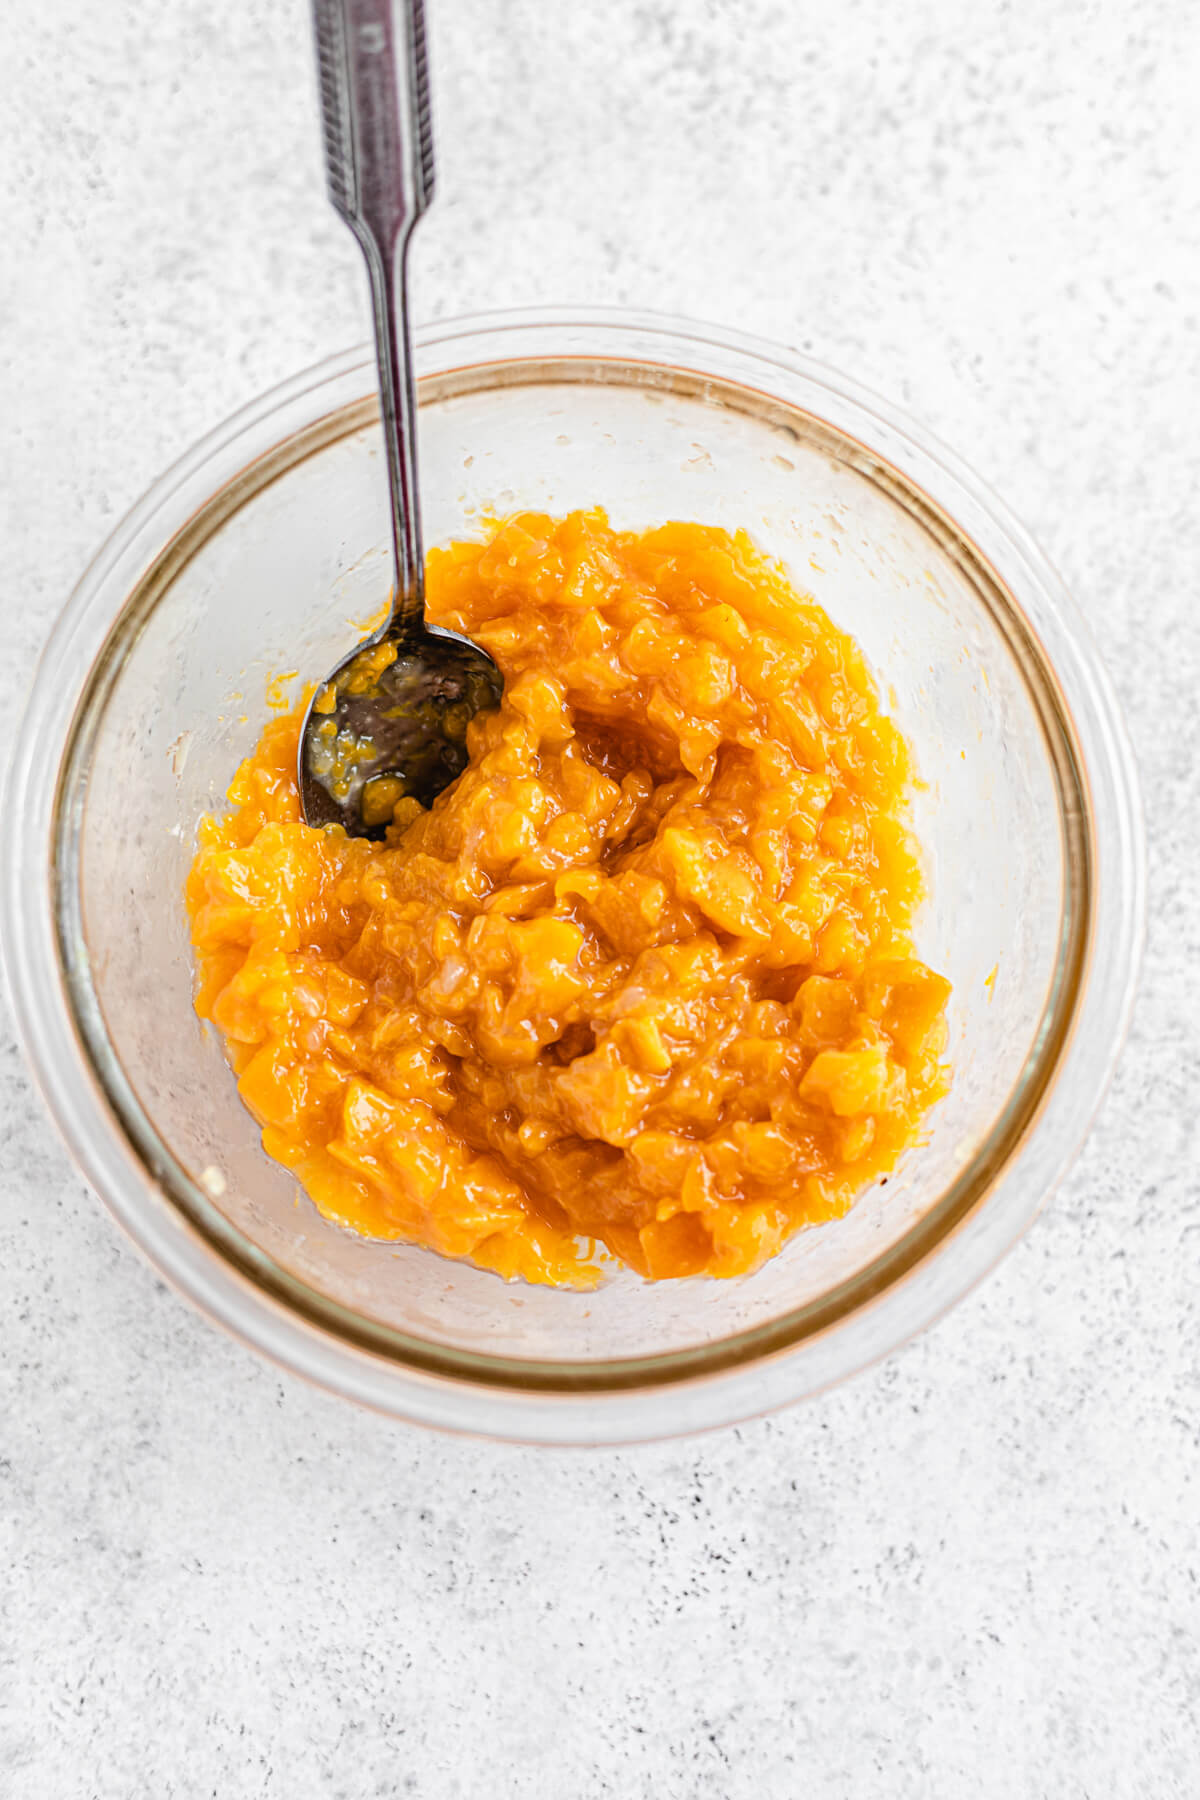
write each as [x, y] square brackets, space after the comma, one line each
[972, 1572]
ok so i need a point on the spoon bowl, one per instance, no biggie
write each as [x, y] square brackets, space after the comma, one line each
[390, 724]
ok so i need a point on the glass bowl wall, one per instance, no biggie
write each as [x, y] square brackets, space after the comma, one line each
[260, 557]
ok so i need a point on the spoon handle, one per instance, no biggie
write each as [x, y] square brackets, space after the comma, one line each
[374, 85]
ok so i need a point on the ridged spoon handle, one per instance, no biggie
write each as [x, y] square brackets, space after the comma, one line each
[374, 85]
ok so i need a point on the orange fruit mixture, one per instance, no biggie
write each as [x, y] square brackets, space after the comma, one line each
[643, 977]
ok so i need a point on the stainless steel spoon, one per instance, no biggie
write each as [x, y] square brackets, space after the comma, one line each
[391, 719]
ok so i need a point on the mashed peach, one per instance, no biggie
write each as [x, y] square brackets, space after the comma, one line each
[643, 977]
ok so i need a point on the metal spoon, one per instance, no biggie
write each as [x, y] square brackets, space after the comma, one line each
[391, 719]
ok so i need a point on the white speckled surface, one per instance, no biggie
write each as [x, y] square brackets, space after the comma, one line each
[972, 1572]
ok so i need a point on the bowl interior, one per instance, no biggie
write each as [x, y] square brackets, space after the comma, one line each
[274, 578]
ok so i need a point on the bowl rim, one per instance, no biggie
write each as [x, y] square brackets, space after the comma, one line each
[178, 1226]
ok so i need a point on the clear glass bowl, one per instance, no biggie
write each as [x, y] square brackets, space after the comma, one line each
[262, 552]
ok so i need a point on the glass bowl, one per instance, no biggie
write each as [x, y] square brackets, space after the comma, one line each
[262, 552]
